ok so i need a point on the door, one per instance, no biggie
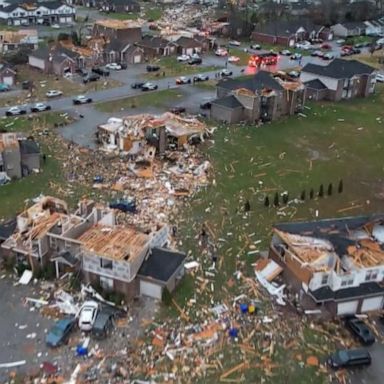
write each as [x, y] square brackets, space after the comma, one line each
[150, 289]
[349, 307]
[372, 304]
[8, 80]
[137, 59]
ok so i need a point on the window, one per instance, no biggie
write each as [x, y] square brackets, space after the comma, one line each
[106, 283]
[324, 280]
[347, 281]
[107, 264]
[371, 275]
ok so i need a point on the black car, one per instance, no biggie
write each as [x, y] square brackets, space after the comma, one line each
[360, 330]
[82, 72]
[103, 325]
[152, 68]
[137, 85]
[195, 61]
[123, 65]
[206, 105]
[91, 77]
[100, 71]
[177, 110]
[26, 84]
[349, 358]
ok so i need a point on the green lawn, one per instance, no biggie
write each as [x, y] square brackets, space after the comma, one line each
[153, 99]
[333, 142]
[171, 67]
[153, 13]
[122, 15]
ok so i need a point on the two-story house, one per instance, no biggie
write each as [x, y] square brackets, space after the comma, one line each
[263, 96]
[340, 79]
[335, 264]
[128, 31]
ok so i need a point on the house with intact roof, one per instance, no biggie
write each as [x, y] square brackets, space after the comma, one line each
[118, 51]
[340, 79]
[336, 265]
[264, 97]
[349, 29]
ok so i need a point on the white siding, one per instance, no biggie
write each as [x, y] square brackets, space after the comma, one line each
[372, 304]
[328, 82]
[8, 80]
[350, 307]
[150, 289]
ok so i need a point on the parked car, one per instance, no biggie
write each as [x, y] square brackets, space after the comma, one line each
[60, 332]
[380, 78]
[303, 45]
[137, 85]
[40, 107]
[14, 111]
[234, 43]
[4, 87]
[113, 66]
[221, 52]
[326, 46]
[81, 99]
[317, 53]
[91, 77]
[296, 56]
[340, 42]
[26, 84]
[55, 26]
[206, 105]
[328, 56]
[183, 58]
[195, 61]
[255, 46]
[225, 72]
[294, 74]
[152, 68]
[233, 59]
[183, 80]
[87, 315]
[53, 93]
[177, 110]
[285, 52]
[124, 205]
[123, 65]
[82, 72]
[349, 358]
[100, 71]
[200, 77]
[360, 330]
[149, 87]
[103, 325]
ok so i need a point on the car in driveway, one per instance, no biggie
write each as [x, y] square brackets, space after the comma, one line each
[14, 111]
[296, 56]
[317, 53]
[59, 333]
[4, 87]
[255, 46]
[360, 330]
[183, 80]
[81, 99]
[328, 56]
[195, 60]
[285, 52]
[87, 315]
[234, 43]
[100, 71]
[380, 78]
[53, 93]
[149, 87]
[40, 107]
[103, 325]
[221, 52]
[91, 77]
[183, 58]
[349, 358]
[152, 68]
[200, 77]
[225, 73]
[113, 66]
[82, 72]
[137, 85]
[233, 59]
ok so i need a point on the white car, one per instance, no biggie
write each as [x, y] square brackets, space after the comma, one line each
[149, 87]
[183, 58]
[13, 111]
[233, 59]
[87, 315]
[40, 107]
[183, 80]
[340, 41]
[380, 78]
[304, 45]
[225, 73]
[81, 99]
[234, 43]
[285, 52]
[380, 41]
[221, 52]
[53, 93]
[113, 66]
[55, 26]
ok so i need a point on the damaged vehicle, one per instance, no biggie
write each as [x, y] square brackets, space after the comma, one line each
[349, 358]
[60, 332]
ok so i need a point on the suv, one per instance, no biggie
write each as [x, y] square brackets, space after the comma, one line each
[349, 358]
[360, 330]
[100, 71]
[195, 60]
[90, 77]
[152, 68]
[103, 325]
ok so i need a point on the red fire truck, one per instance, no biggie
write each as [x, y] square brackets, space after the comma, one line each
[258, 59]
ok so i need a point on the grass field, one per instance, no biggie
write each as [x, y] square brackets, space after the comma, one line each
[333, 142]
[153, 99]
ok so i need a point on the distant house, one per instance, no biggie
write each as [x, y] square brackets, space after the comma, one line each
[7, 75]
[288, 33]
[55, 60]
[42, 13]
[117, 51]
[128, 31]
[340, 79]
[336, 265]
[18, 156]
[120, 6]
[260, 97]
[156, 46]
[188, 45]
[374, 27]
[14, 40]
[349, 29]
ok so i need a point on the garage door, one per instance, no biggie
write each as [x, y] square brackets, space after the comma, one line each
[69, 19]
[372, 304]
[62, 20]
[150, 289]
[8, 80]
[137, 59]
[347, 308]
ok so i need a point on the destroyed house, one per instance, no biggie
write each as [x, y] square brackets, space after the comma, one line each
[264, 96]
[124, 30]
[338, 264]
